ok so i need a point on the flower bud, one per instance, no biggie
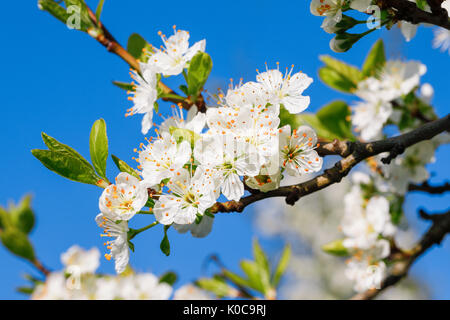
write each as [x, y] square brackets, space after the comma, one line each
[342, 42]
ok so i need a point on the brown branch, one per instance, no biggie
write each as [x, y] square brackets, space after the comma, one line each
[38, 265]
[426, 187]
[408, 11]
[353, 153]
[435, 234]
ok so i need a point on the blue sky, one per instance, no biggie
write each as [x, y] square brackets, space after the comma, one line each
[59, 81]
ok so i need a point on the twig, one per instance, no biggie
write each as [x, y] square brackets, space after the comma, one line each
[38, 265]
[408, 11]
[353, 153]
[435, 234]
[426, 187]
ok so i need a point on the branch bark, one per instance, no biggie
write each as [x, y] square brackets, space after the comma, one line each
[426, 187]
[435, 234]
[408, 11]
[353, 153]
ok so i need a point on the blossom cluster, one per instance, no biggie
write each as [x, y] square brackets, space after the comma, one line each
[367, 226]
[380, 93]
[192, 161]
[79, 281]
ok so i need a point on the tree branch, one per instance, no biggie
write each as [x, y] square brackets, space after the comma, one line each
[435, 234]
[353, 153]
[426, 187]
[408, 11]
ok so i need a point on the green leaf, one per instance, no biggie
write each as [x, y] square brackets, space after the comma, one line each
[254, 275]
[236, 279]
[375, 61]
[124, 85]
[180, 135]
[67, 166]
[282, 265]
[198, 72]
[135, 46]
[59, 147]
[165, 245]
[215, 285]
[261, 258]
[336, 248]
[335, 117]
[54, 9]
[169, 278]
[131, 245]
[339, 75]
[98, 146]
[25, 290]
[77, 9]
[22, 216]
[99, 9]
[124, 167]
[17, 243]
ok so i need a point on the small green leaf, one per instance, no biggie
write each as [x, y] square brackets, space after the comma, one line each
[99, 10]
[59, 147]
[261, 258]
[54, 9]
[135, 46]
[124, 85]
[339, 75]
[131, 245]
[22, 216]
[215, 285]
[67, 166]
[17, 243]
[124, 167]
[25, 290]
[169, 278]
[198, 72]
[282, 265]
[165, 245]
[336, 248]
[180, 135]
[255, 275]
[98, 146]
[236, 279]
[77, 9]
[375, 60]
[335, 117]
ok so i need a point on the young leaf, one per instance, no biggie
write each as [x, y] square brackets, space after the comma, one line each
[339, 75]
[336, 118]
[99, 10]
[215, 285]
[336, 248]
[282, 265]
[255, 276]
[22, 216]
[124, 85]
[77, 9]
[124, 167]
[54, 9]
[98, 146]
[375, 60]
[17, 243]
[165, 245]
[261, 258]
[59, 147]
[198, 72]
[67, 166]
[169, 278]
[136, 43]
[236, 279]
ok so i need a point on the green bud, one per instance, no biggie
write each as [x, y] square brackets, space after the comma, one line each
[342, 42]
[345, 24]
[17, 243]
[336, 248]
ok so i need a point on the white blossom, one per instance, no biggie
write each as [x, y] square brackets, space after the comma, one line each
[287, 89]
[330, 9]
[119, 246]
[162, 158]
[188, 197]
[198, 230]
[365, 276]
[121, 201]
[145, 95]
[191, 292]
[172, 59]
[85, 261]
[297, 154]
[195, 121]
